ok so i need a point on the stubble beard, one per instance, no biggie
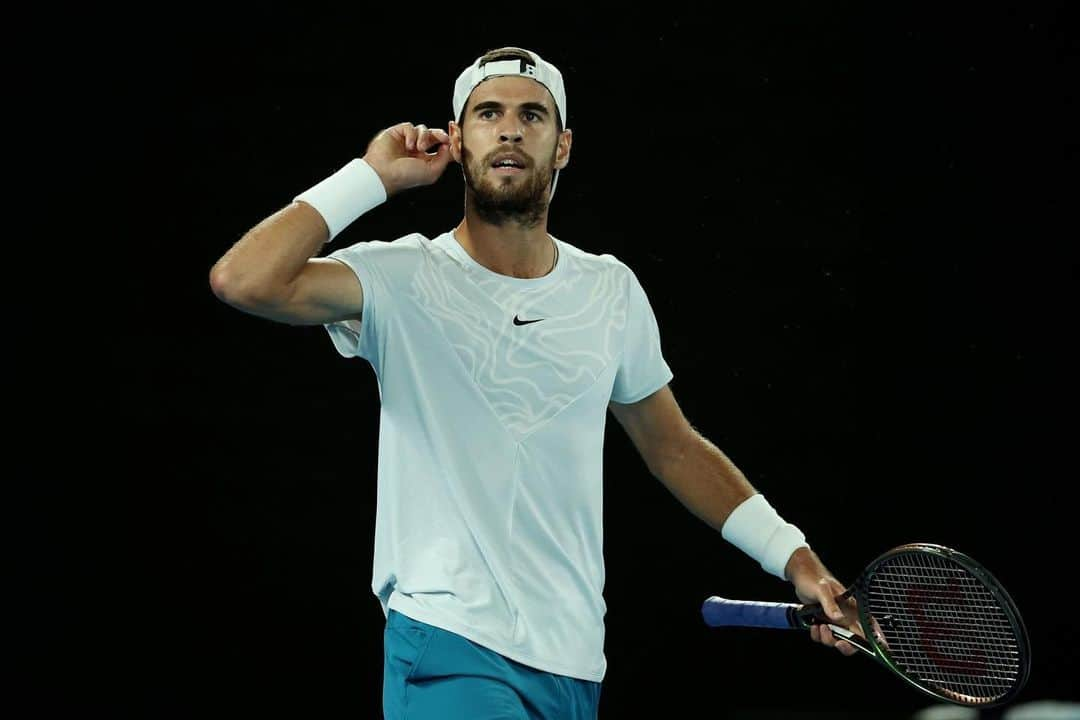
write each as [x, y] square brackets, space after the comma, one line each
[501, 203]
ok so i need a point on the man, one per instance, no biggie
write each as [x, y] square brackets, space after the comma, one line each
[498, 351]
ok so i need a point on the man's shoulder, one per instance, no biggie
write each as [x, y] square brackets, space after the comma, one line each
[411, 241]
[393, 259]
[597, 261]
[401, 248]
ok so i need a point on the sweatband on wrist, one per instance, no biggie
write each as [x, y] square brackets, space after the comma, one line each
[346, 195]
[755, 528]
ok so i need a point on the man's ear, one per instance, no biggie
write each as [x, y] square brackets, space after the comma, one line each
[455, 142]
[562, 151]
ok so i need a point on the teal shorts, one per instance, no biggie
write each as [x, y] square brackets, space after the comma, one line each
[433, 673]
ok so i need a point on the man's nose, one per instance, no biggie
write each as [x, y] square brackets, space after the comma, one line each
[510, 134]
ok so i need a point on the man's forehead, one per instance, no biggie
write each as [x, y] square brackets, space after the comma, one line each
[510, 90]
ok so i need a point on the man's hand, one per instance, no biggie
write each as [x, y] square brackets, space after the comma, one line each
[408, 155]
[814, 583]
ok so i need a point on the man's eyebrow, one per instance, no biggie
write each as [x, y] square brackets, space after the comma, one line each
[495, 105]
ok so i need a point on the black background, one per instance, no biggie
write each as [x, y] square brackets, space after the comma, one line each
[850, 227]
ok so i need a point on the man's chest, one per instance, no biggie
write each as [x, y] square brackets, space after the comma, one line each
[529, 353]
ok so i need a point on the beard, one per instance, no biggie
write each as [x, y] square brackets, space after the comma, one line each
[499, 201]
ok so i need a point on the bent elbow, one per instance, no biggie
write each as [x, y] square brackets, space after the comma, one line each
[230, 290]
[227, 289]
[220, 283]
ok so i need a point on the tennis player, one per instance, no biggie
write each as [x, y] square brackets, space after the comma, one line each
[498, 350]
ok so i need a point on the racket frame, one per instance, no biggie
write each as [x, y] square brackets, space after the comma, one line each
[812, 614]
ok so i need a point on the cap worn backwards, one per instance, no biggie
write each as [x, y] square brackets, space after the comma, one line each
[539, 70]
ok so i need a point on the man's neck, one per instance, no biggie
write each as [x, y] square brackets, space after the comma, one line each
[508, 249]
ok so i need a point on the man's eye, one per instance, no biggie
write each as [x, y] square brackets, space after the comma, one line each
[486, 113]
[531, 116]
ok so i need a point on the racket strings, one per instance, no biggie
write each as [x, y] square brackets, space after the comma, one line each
[941, 625]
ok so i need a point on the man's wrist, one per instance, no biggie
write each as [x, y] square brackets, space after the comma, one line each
[801, 557]
[346, 195]
[389, 182]
[755, 528]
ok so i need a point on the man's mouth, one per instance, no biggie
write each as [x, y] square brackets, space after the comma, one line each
[508, 164]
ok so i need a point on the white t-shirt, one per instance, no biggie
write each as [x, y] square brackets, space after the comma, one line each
[494, 394]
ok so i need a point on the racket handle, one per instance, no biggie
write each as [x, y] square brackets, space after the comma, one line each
[718, 612]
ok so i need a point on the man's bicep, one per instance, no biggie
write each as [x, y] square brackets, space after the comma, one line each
[656, 426]
[327, 290]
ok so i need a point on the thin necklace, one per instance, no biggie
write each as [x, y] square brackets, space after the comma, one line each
[556, 258]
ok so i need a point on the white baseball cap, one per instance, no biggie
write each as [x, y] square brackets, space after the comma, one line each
[539, 70]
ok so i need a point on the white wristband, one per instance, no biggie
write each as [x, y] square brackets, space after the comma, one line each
[345, 195]
[756, 529]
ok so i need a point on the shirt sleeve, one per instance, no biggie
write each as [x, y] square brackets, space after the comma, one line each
[381, 267]
[642, 368]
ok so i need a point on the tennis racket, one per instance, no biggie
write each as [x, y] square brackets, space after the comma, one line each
[932, 615]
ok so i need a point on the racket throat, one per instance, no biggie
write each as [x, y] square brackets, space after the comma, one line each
[852, 638]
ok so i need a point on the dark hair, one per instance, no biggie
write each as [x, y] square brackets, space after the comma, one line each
[512, 53]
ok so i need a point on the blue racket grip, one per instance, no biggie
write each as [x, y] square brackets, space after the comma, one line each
[718, 612]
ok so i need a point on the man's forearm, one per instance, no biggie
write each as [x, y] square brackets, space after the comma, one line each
[705, 480]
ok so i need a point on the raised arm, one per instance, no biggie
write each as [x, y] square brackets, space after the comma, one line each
[272, 270]
[271, 273]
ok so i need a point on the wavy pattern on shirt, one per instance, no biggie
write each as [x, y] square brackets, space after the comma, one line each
[529, 373]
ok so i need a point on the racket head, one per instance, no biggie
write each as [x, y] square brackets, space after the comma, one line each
[941, 621]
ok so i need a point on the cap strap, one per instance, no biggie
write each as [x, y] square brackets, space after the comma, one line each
[508, 67]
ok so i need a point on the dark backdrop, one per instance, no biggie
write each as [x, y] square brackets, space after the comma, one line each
[847, 225]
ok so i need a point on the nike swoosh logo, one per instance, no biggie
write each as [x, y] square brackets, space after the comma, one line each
[525, 322]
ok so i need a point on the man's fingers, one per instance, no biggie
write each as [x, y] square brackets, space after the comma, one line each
[410, 134]
[418, 138]
[432, 141]
[435, 135]
[413, 137]
[833, 610]
[825, 636]
[409, 155]
[427, 140]
[830, 605]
